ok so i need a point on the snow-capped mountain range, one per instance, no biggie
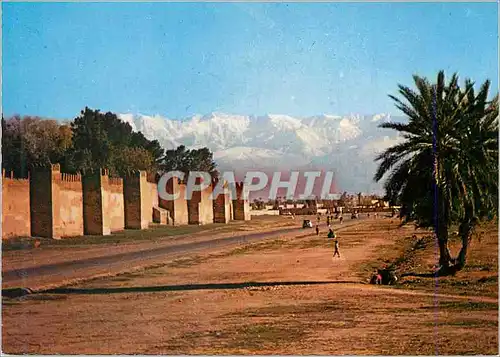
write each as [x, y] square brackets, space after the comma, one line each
[344, 144]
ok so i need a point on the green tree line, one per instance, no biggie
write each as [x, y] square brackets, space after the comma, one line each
[93, 140]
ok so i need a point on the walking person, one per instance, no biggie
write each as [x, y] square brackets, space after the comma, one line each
[317, 230]
[332, 235]
[336, 252]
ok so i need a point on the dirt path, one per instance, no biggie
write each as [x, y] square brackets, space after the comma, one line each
[106, 262]
[23, 259]
[39, 277]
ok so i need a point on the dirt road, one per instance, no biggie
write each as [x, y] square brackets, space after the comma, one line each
[40, 277]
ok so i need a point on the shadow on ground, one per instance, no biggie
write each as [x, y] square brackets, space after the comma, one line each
[146, 289]
[448, 271]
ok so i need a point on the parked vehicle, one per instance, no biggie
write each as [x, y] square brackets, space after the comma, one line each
[307, 224]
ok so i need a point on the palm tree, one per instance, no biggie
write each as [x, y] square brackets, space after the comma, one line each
[445, 171]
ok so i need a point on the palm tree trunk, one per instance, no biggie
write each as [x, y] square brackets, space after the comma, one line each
[444, 251]
[441, 228]
[462, 256]
[465, 231]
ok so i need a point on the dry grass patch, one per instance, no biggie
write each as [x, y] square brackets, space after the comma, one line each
[479, 277]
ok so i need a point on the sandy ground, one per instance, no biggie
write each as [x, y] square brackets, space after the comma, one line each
[285, 296]
[16, 259]
[34, 268]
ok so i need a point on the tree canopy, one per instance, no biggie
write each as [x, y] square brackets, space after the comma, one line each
[31, 140]
[186, 160]
[445, 171]
[93, 140]
[103, 140]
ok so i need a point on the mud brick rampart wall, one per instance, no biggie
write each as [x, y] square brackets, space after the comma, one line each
[138, 209]
[53, 204]
[222, 205]
[15, 206]
[56, 203]
[200, 206]
[177, 207]
[241, 206]
[103, 204]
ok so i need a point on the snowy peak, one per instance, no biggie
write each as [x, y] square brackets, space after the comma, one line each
[381, 117]
[285, 122]
[347, 144]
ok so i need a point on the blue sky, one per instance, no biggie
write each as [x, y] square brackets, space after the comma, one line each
[179, 59]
